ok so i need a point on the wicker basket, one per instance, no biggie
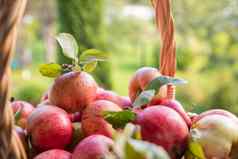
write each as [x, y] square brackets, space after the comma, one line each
[11, 12]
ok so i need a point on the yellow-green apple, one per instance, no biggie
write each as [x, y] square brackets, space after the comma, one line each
[73, 91]
[216, 131]
[93, 121]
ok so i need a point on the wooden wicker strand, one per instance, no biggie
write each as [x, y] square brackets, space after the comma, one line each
[11, 12]
[165, 25]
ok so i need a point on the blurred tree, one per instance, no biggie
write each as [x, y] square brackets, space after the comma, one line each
[84, 20]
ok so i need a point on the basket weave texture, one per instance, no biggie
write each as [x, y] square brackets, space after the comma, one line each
[11, 12]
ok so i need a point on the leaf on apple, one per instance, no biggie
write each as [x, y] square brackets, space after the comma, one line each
[119, 119]
[50, 70]
[137, 133]
[93, 55]
[89, 67]
[195, 150]
[17, 115]
[68, 45]
[158, 82]
[142, 149]
[144, 98]
[77, 135]
[131, 152]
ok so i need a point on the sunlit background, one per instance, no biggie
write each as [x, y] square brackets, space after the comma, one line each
[206, 35]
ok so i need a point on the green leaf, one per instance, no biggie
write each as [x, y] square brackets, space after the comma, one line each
[68, 45]
[128, 148]
[50, 70]
[93, 55]
[131, 152]
[78, 135]
[119, 119]
[189, 155]
[137, 133]
[121, 139]
[196, 149]
[164, 80]
[141, 149]
[89, 67]
[144, 98]
[17, 115]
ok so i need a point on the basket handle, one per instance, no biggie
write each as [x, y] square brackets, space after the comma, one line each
[165, 25]
[11, 11]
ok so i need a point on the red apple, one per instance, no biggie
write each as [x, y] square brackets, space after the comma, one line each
[73, 91]
[93, 147]
[45, 102]
[54, 154]
[24, 109]
[92, 120]
[123, 102]
[175, 105]
[217, 133]
[50, 128]
[141, 79]
[106, 95]
[165, 127]
[75, 117]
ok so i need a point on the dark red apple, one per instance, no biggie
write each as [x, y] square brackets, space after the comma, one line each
[174, 104]
[93, 147]
[24, 109]
[75, 117]
[141, 79]
[73, 91]
[92, 120]
[54, 154]
[49, 128]
[165, 127]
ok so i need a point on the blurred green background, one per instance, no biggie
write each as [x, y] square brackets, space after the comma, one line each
[206, 35]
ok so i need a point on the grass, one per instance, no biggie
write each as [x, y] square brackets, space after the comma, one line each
[124, 66]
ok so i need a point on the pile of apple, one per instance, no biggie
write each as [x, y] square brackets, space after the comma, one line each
[80, 120]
